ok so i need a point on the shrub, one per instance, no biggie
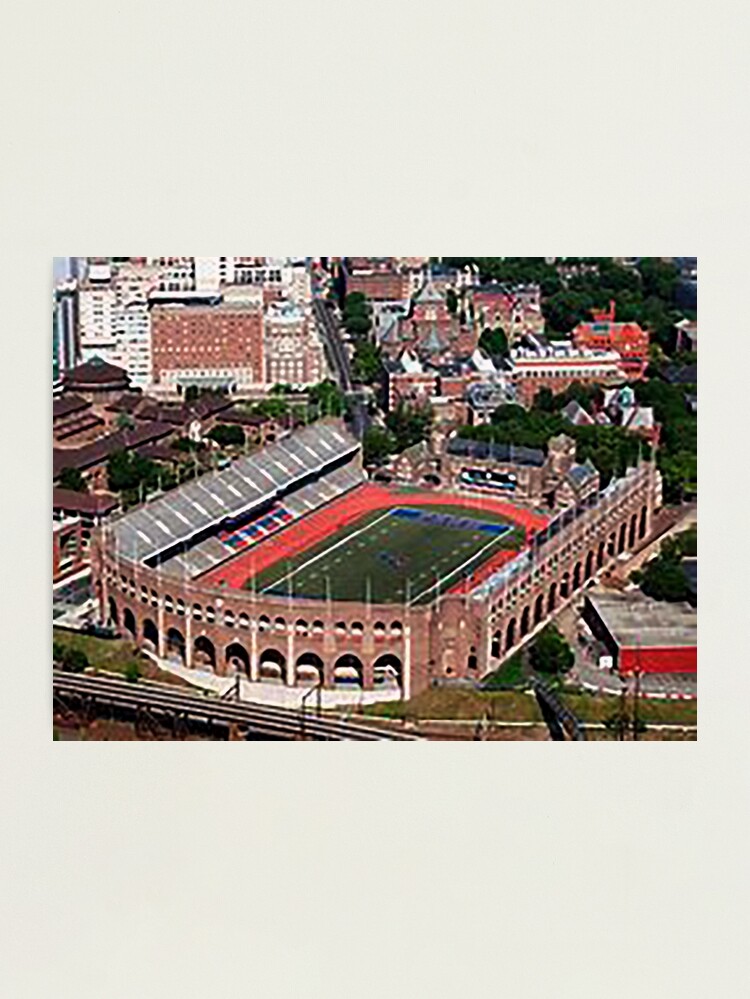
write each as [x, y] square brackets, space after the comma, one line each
[74, 660]
[133, 671]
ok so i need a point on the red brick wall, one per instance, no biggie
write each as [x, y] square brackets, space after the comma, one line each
[202, 337]
[659, 660]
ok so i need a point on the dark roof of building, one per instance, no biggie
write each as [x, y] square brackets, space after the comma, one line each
[636, 621]
[67, 404]
[505, 453]
[98, 451]
[581, 474]
[128, 402]
[679, 374]
[690, 568]
[96, 503]
[96, 372]
[159, 452]
[244, 419]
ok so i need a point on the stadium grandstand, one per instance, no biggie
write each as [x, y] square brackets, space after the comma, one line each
[200, 525]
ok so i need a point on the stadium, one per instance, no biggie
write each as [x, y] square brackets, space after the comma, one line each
[291, 567]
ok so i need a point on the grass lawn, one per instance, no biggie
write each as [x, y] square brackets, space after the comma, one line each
[597, 708]
[113, 655]
[510, 674]
[454, 703]
[393, 551]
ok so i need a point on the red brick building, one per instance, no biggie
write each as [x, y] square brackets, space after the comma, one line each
[643, 635]
[459, 636]
[627, 339]
[377, 278]
[556, 366]
[516, 310]
[202, 344]
[67, 548]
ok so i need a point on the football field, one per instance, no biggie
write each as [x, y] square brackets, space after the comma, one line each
[401, 554]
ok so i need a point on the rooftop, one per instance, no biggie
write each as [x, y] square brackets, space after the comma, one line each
[93, 503]
[504, 453]
[67, 404]
[634, 620]
[95, 373]
[99, 451]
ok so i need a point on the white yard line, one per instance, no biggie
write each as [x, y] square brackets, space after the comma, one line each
[457, 569]
[344, 541]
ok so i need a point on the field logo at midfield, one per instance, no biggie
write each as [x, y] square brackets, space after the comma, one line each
[448, 520]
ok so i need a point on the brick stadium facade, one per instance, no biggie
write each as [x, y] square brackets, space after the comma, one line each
[460, 635]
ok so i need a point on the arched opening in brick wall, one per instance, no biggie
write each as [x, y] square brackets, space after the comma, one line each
[565, 586]
[128, 622]
[309, 669]
[622, 538]
[552, 598]
[539, 609]
[644, 523]
[525, 619]
[633, 530]
[176, 645]
[577, 576]
[237, 659]
[150, 635]
[205, 653]
[612, 545]
[272, 667]
[112, 611]
[388, 671]
[510, 638]
[589, 565]
[349, 671]
[600, 556]
[497, 645]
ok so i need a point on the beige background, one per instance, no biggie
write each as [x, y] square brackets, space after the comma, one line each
[160, 870]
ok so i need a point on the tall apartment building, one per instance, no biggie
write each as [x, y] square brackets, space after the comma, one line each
[65, 347]
[114, 320]
[212, 345]
[293, 350]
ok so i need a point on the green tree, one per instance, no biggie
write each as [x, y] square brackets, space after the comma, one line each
[124, 421]
[546, 401]
[377, 445]
[409, 425]
[72, 478]
[228, 435]
[74, 660]
[358, 325]
[327, 398]
[367, 363]
[133, 671]
[550, 653]
[494, 342]
[663, 577]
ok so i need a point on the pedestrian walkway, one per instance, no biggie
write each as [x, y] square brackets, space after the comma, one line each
[276, 693]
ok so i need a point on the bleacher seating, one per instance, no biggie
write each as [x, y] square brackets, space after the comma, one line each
[211, 552]
[248, 484]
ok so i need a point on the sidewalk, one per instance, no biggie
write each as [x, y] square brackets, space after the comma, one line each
[276, 693]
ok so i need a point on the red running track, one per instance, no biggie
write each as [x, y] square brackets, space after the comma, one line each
[309, 531]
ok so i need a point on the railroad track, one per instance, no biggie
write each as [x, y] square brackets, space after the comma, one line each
[255, 720]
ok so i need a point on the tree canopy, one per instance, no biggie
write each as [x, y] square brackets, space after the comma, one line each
[228, 435]
[494, 342]
[550, 653]
[72, 478]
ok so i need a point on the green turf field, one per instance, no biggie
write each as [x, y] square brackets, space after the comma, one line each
[388, 559]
